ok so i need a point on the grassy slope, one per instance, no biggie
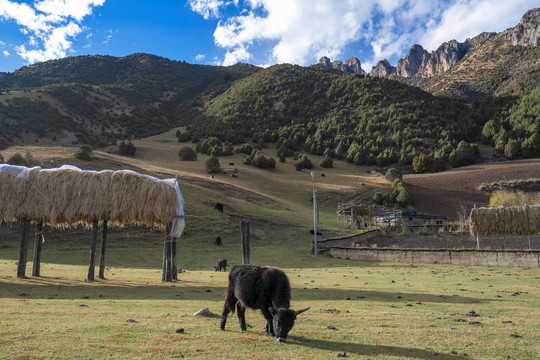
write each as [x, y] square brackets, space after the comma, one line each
[59, 315]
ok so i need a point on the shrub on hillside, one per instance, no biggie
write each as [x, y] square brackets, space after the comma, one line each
[257, 159]
[206, 146]
[127, 149]
[508, 198]
[380, 198]
[422, 163]
[512, 149]
[212, 165]
[3, 143]
[187, 153]
[303, 163]
[327, 162]
[531, 146]
[392, 174]
[1, 158]
[244, 149]
[17, 159]
[84, 153]
[183, 136]
[464, 154]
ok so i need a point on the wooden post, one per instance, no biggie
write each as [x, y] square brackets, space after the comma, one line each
[92, 266]
[164, 265]
[167, 267]
[169, 258]
[244, 228]
[528, 225]
[36, 268]
[102, 255]
[175, 269]
[477, 236]
[23, 250]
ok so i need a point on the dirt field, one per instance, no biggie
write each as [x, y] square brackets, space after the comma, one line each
[447, 192]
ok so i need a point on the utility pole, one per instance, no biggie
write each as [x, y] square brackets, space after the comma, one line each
[314, 212]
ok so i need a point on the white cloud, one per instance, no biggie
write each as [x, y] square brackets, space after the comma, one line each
[200, 57]
[239, 54]
[465, 19]
[49, 25]
[300, 31]
[6, 53]
[62, 9]
[209, 8]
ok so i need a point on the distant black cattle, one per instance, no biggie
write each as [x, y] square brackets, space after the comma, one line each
[313, 232]
[323, 175]
[264, 288]
[218, 240]
[231, 164]
[221, 264]
[219, 207]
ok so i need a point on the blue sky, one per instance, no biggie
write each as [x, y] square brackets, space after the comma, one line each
[260, 32]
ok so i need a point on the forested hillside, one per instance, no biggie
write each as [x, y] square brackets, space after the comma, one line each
[103, 98]
[364, 119]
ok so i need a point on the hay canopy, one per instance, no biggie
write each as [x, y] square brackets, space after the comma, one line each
[516, 220]
[70, 196]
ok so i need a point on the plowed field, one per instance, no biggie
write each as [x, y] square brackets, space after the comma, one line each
[447, 192]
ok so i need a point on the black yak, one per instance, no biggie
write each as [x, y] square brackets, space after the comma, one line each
[219, 207]
[264, 288]
[221, 264]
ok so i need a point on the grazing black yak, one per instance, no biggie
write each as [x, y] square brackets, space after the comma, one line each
[265, 288]
[221, 264]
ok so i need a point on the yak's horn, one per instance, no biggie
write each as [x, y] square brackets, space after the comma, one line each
[278, 310]
[301, 311]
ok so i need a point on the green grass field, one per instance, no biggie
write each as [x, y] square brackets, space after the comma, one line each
[378, 310]
[363, 310]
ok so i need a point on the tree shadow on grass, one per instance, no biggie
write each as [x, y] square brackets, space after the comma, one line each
[373, 350]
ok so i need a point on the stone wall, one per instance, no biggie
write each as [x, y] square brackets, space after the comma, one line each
[525, 258]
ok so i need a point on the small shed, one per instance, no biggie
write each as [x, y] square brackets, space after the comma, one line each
[411, 220]
[69, 196]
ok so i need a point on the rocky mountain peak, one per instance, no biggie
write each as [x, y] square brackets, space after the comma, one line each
[383, 68]
[527, 32]
[479, 40]
[419, 62]
[352, 65]
[324, 61]
[410, 64]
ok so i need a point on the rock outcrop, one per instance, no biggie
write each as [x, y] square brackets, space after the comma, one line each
[383, 68]
[416, 58]
[352, 65]
[527, 32]
[419, 62]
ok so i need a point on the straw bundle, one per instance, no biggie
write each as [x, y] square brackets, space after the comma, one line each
[516, 220]
[69, 196]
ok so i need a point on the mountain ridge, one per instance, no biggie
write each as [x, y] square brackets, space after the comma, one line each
[426, 70]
